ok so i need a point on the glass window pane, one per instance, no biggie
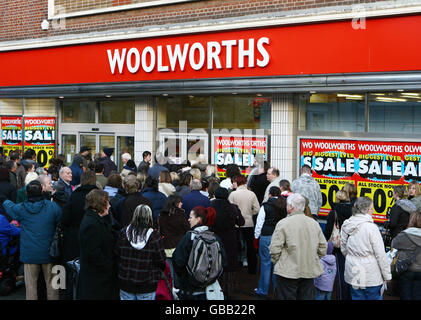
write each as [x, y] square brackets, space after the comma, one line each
[124, 145]
[10, 107]
[68, 142]
[78, 112]
[116, 111]
[88, 140]
[107, 142]
[242, 112]
[395, 112]
[194, 110]
[332, 112]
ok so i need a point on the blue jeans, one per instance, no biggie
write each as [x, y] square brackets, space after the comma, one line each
[136, 296]
[369, 293]
[323, 295]
[266, 266]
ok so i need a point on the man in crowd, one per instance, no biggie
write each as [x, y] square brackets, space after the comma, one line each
[12, 166]
[63, 183]
[38, 218]
[195, 197]
[84, 153]
[146, 162]
[156, 169]
[109, 165]
[99, 173]
[29, 156]
[309, 188]
[297, 245]
[273, 177]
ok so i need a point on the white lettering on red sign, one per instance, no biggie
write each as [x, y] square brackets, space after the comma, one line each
[196, 54]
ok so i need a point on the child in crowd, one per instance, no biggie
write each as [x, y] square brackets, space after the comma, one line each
[324, 283]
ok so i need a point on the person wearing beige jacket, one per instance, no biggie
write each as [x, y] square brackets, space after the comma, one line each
[248, 204]
[297, 245]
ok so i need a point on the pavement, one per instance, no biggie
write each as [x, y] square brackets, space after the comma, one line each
[245, 288]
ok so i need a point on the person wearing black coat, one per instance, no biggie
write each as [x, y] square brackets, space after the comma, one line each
[98, 265]
[343, 210]
[109, 165]
[132, 200]
[259, 182]
[228, 216]
[400, 212]
[6, 188]
[73, 212]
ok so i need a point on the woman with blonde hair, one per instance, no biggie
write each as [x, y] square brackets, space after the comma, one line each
[414, 189]
[142, 257]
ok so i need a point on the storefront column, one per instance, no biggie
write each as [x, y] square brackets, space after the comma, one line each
[144, 127]
[283, 151]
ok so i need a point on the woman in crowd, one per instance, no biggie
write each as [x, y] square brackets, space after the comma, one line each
[213, 186]
[6, 188]
[98, 270]
[400, 212]
[249, 206]
[232, 171]
[200, 220]
[285, 187]
[141, 257]
[408, 242]
[150, 191]
[351, 189]
[73, 212]
[342, 210]
[173, 225]
[414, 189]
[183, 187]
[271, 212]
[228, 218]
[366, 263]
[165, 184]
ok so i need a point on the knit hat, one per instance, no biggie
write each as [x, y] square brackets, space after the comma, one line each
[221, 193]
[108, 151]
[31, 176]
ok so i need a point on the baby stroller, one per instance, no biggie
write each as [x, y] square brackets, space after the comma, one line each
[9, 268]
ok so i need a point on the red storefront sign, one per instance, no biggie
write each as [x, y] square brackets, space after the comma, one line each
[375, 167]
[322, 48]
[11, 134]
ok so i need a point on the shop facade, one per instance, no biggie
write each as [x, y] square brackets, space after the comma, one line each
[238, 95]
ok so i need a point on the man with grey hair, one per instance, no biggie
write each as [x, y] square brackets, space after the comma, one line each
[309, 188]
[297, 245]
[194, 198]
[63, 183]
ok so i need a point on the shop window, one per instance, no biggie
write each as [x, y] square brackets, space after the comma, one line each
[398, 112]
[40, 107]
[78, 112]
[116, 111]
[10, 107]
[332, 112]
[194, 110]
[68, 142]
[242, 112]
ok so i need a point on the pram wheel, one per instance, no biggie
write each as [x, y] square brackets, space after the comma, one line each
[6, 286]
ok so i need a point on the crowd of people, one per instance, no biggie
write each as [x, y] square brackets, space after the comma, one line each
[134, 228]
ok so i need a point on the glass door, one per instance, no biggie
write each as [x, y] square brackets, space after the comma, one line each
[107, 141]
[124, 145]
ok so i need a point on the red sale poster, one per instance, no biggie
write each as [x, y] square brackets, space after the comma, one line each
[375, 167]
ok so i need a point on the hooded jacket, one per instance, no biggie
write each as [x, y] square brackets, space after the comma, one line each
[399, 216]
[141, 262]
[326, 280]
[309, 188]
[38, 224]
[366, 263]
[407, 241]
